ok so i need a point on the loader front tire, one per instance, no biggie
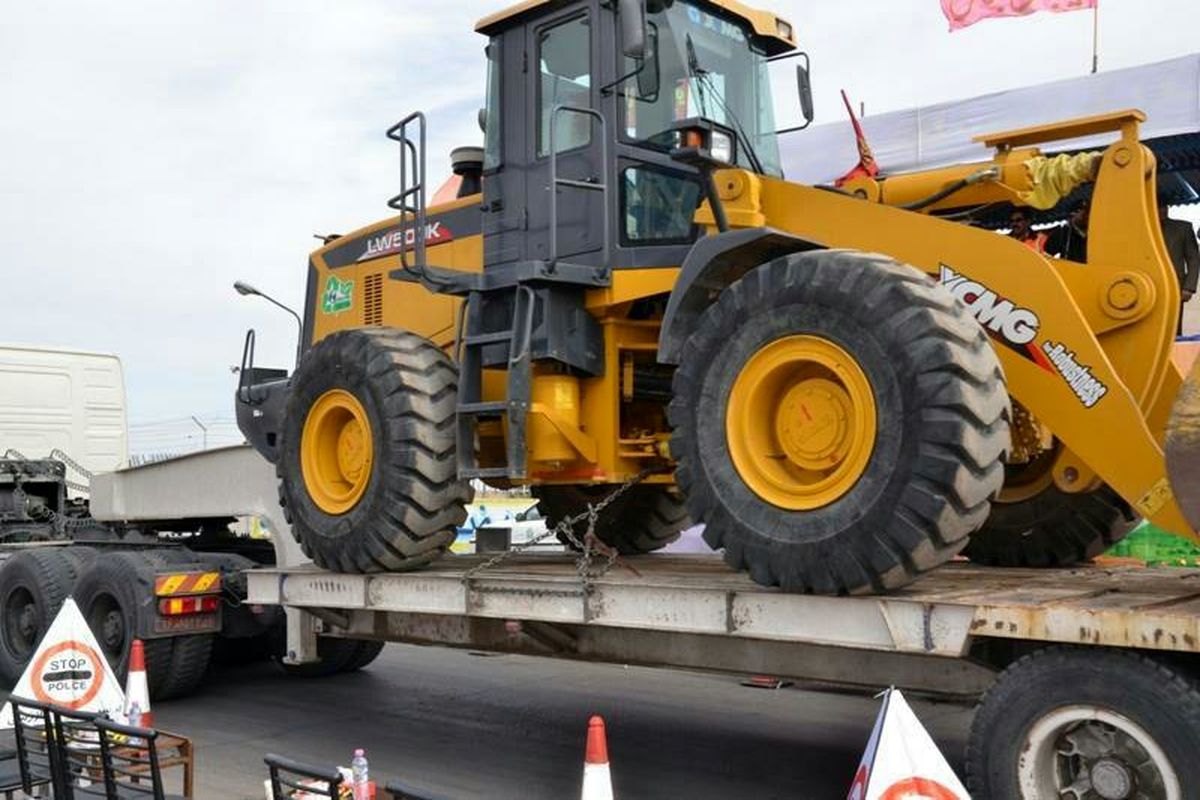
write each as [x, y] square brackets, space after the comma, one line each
[642, 520]
[1052, 529]
[367, 472]
[839, 423]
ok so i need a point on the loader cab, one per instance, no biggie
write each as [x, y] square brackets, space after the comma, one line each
[566, 98]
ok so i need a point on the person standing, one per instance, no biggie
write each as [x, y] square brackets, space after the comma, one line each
[1180, 238]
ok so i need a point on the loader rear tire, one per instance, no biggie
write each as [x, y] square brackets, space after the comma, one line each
[642, 520]
[900, 372]
[1052, 529]
[367, 471]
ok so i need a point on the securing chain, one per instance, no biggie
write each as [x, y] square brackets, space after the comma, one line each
[83, 488]
[565, 529]
[39, 513]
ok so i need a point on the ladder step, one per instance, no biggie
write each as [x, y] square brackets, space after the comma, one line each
[484, 472]
[489, 338]
[490, 407]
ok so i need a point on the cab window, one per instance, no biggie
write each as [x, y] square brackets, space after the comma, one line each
[564, 59]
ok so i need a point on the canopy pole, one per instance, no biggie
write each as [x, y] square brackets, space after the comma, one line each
[1096, 37]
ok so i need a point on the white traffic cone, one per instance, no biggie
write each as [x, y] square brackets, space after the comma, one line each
[597, 782]
[137, 692]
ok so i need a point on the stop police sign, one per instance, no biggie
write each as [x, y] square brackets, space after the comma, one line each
[69, 674]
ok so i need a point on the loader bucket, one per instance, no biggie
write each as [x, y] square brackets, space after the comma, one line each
[1183, 434]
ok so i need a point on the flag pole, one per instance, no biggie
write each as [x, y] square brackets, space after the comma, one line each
[1096, 37]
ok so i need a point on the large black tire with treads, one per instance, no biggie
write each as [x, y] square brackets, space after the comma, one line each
[337, 656]
[190, 654]
[1109, 723]
[115, 594]
[942, 429]
[1052, 529]
[33, 585]
[642, 520]
[413, 501]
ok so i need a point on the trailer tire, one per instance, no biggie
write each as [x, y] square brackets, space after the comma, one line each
[642, 520]
[1052, 529]
[337, 656]
[115, 593]
[883, 345]
[33, 585]
[1138, 717]
[392, 396]
[368, 651]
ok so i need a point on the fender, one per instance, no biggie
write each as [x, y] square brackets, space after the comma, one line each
[712, 264]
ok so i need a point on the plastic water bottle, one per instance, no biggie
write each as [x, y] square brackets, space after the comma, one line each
[359, 777]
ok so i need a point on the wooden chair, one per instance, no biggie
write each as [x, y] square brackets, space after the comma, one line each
[289, 778]
[33, 733]
[132, 760]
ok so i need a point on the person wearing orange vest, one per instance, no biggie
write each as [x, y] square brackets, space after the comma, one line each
[1022, 231]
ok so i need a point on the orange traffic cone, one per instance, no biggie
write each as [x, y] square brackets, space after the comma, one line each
[137, 692]
[597, 782]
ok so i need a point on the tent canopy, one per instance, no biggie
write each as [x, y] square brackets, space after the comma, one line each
[924, 138]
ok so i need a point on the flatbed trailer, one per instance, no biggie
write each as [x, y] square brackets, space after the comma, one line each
[1085, 677]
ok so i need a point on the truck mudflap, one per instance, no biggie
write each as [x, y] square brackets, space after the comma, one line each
[260, 409]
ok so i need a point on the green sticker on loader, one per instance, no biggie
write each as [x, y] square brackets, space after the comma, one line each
[338, 296]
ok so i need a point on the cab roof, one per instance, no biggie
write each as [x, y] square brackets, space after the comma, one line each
[765, 24]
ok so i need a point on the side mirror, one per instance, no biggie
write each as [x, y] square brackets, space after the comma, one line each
[648, 79]
[633, 27]
[804, 87]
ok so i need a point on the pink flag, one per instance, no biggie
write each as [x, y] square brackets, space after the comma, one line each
[962, 13]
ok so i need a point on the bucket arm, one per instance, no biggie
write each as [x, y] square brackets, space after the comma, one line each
[1085, 347]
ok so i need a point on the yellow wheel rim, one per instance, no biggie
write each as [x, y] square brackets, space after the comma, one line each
[801, 422]
[336, 451]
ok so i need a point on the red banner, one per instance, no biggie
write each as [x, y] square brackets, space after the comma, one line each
[962, 13]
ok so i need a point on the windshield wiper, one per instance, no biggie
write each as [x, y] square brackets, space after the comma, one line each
[703, 78]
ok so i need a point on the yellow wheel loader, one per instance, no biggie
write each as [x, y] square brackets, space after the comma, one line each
[847, 386]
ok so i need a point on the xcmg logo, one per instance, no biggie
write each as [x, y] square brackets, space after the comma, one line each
[1015, 325]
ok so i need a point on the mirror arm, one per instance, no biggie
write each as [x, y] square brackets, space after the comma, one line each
[607, 89]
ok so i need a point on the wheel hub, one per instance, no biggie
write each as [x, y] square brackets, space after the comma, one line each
[1111, 779]
[801, 422]
[112, 631]
[336, 451]
[1085, 752]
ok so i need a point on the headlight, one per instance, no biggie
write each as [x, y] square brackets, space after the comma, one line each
[721, 147]
[784, 29]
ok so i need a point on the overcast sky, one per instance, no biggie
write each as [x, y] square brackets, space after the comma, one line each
[154, 151]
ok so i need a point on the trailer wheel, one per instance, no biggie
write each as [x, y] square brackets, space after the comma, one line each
[1052, 529]
[644, 519]
[337, 656]
[839, 423]
[368, 476]
[368, 651]
[33, 585]
[112, 593]
[1082, 722]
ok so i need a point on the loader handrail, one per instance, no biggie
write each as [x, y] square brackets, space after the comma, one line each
[587, 185]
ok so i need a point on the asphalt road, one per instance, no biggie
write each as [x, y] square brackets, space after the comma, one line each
[469, 726]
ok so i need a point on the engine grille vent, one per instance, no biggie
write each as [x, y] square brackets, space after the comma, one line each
[373, 299]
